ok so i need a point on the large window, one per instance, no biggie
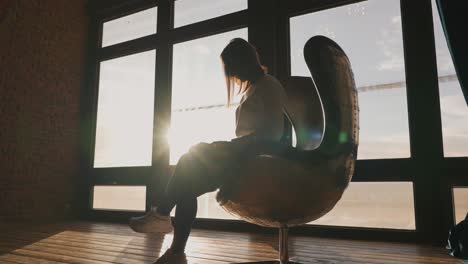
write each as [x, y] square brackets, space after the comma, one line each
[145, 104]
[452, 102]
[371, 35]
[124, 126]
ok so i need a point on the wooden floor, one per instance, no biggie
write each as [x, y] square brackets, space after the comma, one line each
[84, 242]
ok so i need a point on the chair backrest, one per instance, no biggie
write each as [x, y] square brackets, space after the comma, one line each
[323, 109]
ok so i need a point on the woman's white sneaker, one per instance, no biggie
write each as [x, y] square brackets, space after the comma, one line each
[152, 222]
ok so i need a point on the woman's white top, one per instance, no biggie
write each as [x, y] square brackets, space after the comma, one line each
[261, 110]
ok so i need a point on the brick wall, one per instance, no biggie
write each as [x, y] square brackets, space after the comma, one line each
[42, 50]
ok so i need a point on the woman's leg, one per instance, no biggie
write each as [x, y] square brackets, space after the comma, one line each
[186, 211]
[180, 194]
[187, 182]
[181, 185]
[196, 173]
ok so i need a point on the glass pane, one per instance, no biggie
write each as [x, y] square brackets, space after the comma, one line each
[453, 106]
[129, 27]
[124, 129]
[374, 204]
[128, 198]
[460, 197]
[371, 35]
[189, 11]
[199, 94]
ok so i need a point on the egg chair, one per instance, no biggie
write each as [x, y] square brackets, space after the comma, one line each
[305, 182]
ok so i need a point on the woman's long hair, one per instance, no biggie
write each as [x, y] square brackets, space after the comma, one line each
[241, 61]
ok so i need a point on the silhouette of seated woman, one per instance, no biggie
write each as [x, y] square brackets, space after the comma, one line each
[206, 167]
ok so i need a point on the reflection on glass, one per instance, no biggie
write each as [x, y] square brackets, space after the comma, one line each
[124, 127]
[460, 198]
[189, 11]
[370, 33]
[129, 27]
[199, 94]
[453, 107]
[128, 198]
[375, 205]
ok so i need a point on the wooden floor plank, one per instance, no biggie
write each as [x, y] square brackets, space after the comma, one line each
[19, 259]
[8, 262]
[85, 243]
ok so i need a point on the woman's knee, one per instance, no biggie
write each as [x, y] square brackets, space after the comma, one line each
[184, 159]
[186, 169]
[198, 148]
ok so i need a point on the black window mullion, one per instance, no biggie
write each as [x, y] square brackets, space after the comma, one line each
[295, 8]
[130, 47]
[88, 118]
[121, 175]
[162, 104]
[282, 42]
[385, 170]
[432, 199]
[455, 169]
[106, 10]
[262, 30]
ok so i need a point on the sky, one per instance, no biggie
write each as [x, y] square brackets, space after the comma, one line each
[369, 32]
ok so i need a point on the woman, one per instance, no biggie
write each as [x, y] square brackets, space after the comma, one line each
[259, 128]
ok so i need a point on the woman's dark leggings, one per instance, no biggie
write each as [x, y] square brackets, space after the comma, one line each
[189, 181]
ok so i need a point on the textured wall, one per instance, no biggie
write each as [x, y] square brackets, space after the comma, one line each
[42, 50]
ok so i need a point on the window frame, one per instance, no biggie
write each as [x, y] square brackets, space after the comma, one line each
[432, 174]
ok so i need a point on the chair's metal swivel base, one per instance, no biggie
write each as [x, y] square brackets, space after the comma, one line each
[283, 250]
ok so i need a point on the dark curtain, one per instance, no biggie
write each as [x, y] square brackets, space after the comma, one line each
[454, 17]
